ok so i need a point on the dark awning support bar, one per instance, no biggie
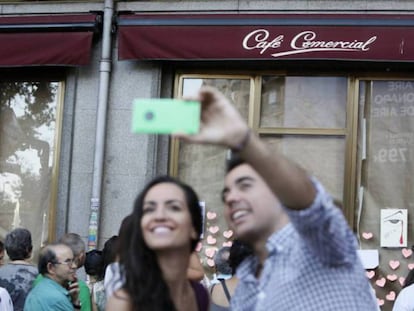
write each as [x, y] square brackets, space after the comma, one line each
[47, 23]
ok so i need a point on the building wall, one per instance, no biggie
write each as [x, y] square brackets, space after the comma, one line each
[130, 160]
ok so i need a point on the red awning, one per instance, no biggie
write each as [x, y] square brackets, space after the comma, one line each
[63, 40]
[266, 37]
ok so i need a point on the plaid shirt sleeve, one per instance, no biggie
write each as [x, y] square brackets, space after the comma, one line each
[325, 230]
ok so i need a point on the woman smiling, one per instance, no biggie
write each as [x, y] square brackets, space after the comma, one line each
[167, 224]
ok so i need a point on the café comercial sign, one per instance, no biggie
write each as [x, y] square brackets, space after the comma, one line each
[234, 37]
[304, 42]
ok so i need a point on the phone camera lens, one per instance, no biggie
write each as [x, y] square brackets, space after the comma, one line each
[149, 115]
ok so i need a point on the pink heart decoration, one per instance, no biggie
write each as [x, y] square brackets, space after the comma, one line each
[394, 264]
[211, 240]
[211, 215]
[380, 282]
[210, 262]
[370, 274]
[392, 277]
[401, 280]
[227, 244]
[199, 246]
[380, 302]
[210, 251]
[390, 296]
[406, 252]
[367, 235]
[228, 234]
[213, 229]
[411, 266]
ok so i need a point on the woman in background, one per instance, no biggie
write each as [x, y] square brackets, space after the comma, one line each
[167, 224]
[405, 299]
[221, 292]
[98, 296]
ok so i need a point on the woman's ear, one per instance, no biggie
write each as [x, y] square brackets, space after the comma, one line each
[194, 234]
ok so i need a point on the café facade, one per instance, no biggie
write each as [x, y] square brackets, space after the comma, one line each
[328, 83]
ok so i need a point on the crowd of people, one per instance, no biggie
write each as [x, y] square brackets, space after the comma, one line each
[293, 250]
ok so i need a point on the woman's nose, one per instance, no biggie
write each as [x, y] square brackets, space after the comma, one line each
[160, 213]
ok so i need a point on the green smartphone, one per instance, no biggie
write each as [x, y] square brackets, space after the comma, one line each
[165, 116]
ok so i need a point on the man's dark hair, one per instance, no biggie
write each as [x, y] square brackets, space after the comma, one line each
[233, 161]
[18, 244]
[94, 262]
[109, 252]
[46, 255]
[221, 260]
[1, 246]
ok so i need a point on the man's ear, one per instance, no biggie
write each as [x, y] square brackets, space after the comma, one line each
[50, 268]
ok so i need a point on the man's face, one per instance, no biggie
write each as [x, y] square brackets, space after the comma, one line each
[252, 211]
[64, 269]
[1, 258]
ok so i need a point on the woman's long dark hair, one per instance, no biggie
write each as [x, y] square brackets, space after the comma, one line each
[409, 279]
[145, 284]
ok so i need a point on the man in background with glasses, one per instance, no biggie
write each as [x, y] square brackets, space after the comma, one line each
[58, 289]
[78, 247]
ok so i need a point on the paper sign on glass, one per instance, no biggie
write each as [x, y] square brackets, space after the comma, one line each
[393, 228]
[165, 116]
[369, 258]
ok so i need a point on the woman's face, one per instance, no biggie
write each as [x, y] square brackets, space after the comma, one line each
[166, 220]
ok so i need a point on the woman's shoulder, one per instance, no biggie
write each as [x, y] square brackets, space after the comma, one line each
[119, 301]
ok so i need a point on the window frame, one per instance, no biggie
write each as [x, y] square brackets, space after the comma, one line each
[50, 220]
[349, 133]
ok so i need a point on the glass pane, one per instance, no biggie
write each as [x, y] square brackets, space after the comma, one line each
[303, 102]
[27, 133]
[237, 90]
[387, 177]
[202, 166]
[308, 152]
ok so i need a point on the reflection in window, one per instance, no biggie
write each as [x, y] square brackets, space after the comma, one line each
[307, 151]
[303, 102]
[202, 166]
[27, 142]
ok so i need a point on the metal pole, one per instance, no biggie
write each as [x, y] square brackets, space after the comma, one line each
[104, 76]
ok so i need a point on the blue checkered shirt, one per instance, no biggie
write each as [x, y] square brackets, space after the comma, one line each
[312, 265]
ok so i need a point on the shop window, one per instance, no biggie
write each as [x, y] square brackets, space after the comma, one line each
[315, 108]
[385, 212]
[291, 113]
[202, 166]
[303, 102]
[29, 128]
[356, 136]
[309, 150]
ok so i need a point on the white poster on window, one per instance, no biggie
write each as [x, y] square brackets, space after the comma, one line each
[394, 228]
